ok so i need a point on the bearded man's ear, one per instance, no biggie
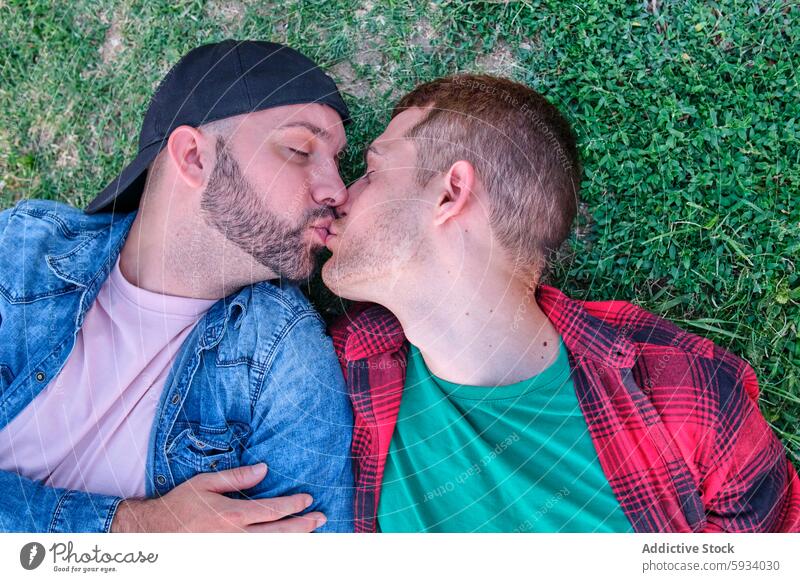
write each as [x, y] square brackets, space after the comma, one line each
[190, 153]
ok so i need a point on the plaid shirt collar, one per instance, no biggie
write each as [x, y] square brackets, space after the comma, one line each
[375, 330]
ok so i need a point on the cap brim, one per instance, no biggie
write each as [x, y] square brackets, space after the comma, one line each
[124, 191]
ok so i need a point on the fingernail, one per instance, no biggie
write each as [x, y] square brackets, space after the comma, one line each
[321, 521]
[309, 500]
[257, 467]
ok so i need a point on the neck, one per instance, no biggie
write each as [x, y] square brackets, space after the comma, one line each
[165, 252]
[492, 334]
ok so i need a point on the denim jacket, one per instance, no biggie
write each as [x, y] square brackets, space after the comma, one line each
[256, 380]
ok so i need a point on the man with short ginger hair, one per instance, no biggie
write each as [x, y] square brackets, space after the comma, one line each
[487, 401]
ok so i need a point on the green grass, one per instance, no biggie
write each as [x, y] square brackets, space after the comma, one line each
[687, 114]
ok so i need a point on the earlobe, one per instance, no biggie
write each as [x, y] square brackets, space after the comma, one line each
[185, 150]
[458, 189]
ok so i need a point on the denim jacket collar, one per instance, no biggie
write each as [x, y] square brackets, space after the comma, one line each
[91, 250]
[98, 250]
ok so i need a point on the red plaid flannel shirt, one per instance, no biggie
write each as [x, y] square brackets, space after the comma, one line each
[674, 418]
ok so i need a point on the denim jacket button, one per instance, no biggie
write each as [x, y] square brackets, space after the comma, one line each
[40, 376]
[161, 479]
[176, 397]
[213, 464]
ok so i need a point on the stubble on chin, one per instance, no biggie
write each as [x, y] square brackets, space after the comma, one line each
[376, 262]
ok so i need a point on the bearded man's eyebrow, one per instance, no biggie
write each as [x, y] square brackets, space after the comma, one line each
[315, 129]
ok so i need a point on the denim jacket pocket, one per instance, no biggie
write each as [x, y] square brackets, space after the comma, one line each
[6, 377]
[204, 449]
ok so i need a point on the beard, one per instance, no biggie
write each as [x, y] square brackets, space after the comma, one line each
[234, 207]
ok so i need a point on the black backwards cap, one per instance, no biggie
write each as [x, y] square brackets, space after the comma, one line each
[212, 82]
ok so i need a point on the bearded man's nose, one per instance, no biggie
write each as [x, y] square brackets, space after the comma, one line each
[332, 193]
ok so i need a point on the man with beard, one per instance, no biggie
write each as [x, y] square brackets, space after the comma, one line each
[487, 401]
[159, 368]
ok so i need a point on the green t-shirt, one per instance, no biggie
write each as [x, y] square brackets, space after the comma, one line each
[515, 458]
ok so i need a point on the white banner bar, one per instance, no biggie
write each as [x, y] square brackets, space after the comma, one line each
[401, 558]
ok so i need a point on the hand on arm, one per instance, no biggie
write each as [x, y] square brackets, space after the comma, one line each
[198, 505]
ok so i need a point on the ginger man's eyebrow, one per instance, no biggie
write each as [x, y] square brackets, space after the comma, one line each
[371, 150]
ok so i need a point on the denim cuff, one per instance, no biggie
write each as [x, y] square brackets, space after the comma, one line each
[78, 511]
